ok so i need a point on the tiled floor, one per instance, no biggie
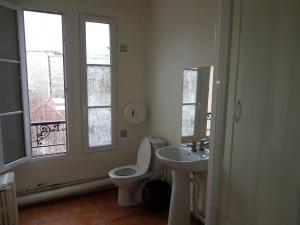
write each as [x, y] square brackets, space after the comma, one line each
[99, 208]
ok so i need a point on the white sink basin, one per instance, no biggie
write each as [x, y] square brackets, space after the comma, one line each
[182, 159]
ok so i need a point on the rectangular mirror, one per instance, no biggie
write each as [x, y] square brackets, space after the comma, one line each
[196, 104]
[197, 87]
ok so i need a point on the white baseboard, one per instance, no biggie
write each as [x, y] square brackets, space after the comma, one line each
[34, 198]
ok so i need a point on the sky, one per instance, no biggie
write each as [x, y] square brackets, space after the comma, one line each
[43, 31]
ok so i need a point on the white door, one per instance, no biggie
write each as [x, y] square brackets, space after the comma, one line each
[261, 174]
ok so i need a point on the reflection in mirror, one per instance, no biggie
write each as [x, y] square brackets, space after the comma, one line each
[196, 105]
[195, 131]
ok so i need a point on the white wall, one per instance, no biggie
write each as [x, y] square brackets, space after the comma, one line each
[181, 36]
[131, 87]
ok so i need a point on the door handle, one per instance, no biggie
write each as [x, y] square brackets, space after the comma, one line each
[237, 111]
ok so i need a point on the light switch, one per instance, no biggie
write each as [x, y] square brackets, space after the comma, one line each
[123, 133]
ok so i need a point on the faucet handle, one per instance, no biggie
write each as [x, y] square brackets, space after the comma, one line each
[194, 146]
[204, 143]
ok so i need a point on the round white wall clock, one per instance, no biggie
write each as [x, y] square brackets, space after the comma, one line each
[135, 113]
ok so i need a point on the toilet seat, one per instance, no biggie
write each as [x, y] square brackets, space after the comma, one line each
[127, 172]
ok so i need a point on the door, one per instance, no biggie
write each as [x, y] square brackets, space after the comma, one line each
[261, 163]
[14, 120]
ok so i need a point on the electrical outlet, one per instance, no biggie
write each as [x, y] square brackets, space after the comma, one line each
[123, 133]
[123, 48]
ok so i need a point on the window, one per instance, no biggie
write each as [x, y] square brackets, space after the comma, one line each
[209, 104]
[14, 129]
[98, 80]
[190, 102]
[196, 103]
[46, 87]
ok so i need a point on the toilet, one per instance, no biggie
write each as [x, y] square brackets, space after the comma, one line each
[131, 179]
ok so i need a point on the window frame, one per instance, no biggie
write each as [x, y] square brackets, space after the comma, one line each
[24, 91]
[114, 81]
[186, 139]
[203, 74]
[63, 32]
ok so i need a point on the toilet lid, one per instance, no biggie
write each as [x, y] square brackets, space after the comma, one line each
[144, 155]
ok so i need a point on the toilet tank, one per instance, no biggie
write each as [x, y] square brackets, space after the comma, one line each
[156, 167]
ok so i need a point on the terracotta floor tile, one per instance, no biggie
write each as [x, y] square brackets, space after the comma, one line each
[98, 208]
[27, 216]
[106, 196]
[153, 219]
[54, 221]
[27, 222]
[87, 218]
[112, 212]
[130, 220]
[79, 205]
[45, 211]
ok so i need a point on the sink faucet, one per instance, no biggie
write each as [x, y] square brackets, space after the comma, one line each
[194, 146]
[204, 144]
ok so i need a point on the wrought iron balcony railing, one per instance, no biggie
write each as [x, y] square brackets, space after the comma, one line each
[48, 134]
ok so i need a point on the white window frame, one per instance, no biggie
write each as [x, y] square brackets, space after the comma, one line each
[203, 74]
[24, 91]
[65, 84]
[84, 98]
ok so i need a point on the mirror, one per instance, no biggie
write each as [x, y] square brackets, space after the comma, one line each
[196, 106]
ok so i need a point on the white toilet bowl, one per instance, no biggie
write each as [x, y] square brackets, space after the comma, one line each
[130, 179]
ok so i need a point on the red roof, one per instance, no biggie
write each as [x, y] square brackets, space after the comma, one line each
[45, 110]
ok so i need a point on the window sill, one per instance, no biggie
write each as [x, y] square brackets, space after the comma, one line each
[52, 156]
[100, 149]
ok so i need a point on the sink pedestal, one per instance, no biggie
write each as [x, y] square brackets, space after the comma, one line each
[179, 213]
[182, 162]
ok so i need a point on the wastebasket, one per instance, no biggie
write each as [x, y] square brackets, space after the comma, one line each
[156, 195]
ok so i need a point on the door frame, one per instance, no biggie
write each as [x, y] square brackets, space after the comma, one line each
[219, 110]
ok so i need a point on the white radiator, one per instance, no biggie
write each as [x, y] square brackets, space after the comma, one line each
[8, 200]
[199, 189]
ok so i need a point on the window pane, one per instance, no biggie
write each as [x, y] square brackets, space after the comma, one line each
[99, 85]
[9, 34]
[97, 43]
[43, 31]
[100, 130]
[48, 137]
[209, 105]
[208, 124]
[45, 68]
[10, 87]
[12, 138]
[189, 86]
[188, 120]
[210, 89]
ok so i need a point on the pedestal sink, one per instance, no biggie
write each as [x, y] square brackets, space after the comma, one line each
[182, 161]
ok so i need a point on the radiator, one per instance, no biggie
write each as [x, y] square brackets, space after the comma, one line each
[8, 201]
[199, 189]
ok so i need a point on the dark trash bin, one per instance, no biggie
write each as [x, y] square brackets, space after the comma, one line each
[156, 195]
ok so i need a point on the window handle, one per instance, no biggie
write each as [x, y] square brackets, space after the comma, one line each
[237, 111]
[84, 109]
